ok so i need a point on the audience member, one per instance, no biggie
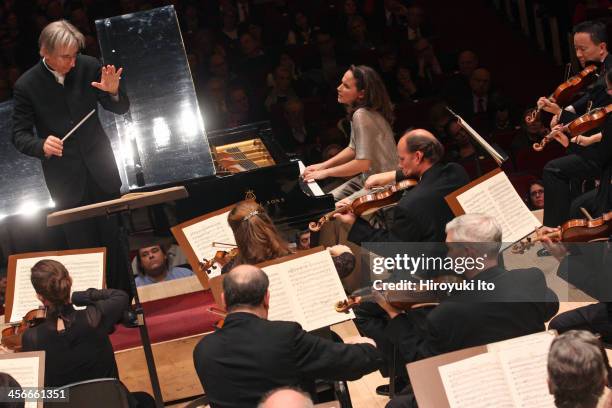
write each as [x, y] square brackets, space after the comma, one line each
[153, 265]
[535, 195]
[282, 90]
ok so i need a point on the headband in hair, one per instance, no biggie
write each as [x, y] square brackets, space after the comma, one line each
[249, 215]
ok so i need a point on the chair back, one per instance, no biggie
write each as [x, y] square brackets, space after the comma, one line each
[97, 393]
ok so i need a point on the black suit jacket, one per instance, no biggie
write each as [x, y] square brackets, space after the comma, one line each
[422, 213]
[514, 309]
[53, 109]
[250, 356]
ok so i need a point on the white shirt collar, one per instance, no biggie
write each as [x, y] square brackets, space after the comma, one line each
[58, 77]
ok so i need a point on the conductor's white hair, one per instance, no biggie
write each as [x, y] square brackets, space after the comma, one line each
[60, 34]
[474, 228]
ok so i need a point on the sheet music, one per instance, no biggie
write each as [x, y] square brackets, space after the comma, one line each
[541, 340]
[526, 371]
[305, 290]
[513, 373]
[498, 198]
[24, 370]
[484, 370]
[86, 270]
[202, 234]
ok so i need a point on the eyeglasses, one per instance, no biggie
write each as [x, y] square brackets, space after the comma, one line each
[537, 192]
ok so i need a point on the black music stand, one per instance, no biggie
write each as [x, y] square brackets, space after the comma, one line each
[120, 210]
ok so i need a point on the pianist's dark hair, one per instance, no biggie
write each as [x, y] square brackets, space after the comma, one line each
[376, 97]
[257, 238]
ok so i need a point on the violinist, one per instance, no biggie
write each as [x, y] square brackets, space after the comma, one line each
[422, 212]
[257, 238]
[588, 157]
[590, 43]
[519, 305]
[76, 342]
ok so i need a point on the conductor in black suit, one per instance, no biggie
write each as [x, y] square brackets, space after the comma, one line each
[251, 355]
[53, 96]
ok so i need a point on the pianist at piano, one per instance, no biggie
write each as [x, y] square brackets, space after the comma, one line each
[372, 146]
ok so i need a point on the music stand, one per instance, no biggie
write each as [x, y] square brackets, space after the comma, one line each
[120, 210]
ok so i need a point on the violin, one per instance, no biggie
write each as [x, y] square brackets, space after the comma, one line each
[577, 230]
[218, 261]
[409, 300]
[12, 335]
[368, 203]
[565, 92]
[585, 123]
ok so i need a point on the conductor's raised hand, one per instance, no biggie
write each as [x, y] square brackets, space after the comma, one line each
[53, 146]
[109, 80]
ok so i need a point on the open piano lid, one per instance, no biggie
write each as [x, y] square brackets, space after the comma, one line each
[162, 139]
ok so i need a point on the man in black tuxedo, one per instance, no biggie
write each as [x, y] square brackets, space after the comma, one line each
[251, 355]
[422, 212]
[519, 304]
[52, 97]
[420, 215]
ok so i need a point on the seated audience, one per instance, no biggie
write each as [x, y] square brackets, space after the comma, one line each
[535, 195]
[282, 90]
[251, 355]
[286, 397]
[153, 264]
[577, 371]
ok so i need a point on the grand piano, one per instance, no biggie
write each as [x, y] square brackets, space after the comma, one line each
[162, 142]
